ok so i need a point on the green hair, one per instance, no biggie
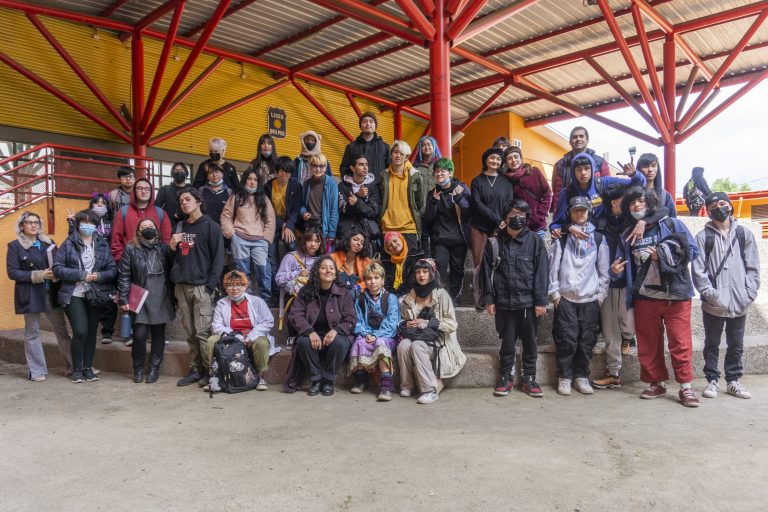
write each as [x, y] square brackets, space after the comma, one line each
[444, 163]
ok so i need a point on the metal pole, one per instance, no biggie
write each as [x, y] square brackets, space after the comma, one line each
[670, 91]
[399, 124]
[440, 82]
[137, 93]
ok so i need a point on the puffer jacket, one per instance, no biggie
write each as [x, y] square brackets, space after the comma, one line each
[25, 266]
[67, 265]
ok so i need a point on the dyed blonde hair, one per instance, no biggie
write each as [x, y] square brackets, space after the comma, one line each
[318, 160]
[374, 269]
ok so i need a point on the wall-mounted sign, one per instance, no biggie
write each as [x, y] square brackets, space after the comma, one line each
[276, 122]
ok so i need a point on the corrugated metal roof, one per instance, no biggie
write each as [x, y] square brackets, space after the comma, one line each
[266, 22]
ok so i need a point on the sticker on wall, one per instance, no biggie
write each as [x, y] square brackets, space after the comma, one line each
[276, 122]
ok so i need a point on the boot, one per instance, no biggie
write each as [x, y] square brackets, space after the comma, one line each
[138, 375]
[154, 369]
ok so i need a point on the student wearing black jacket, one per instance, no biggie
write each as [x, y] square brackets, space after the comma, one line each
[198, 262]
[368, 143]
[168, 195]
[515, 294]
[360, 203]
[217, 147]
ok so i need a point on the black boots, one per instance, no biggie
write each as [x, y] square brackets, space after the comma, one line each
[138, 375]
[154, 369]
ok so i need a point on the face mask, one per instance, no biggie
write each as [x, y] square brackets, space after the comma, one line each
[238, 298]
[180, 177]
[721, 213]
[87, 229]
[100, 210]
[445, 183]
[251, 190]
[148, 233]
[215, 183]
[310, 145]
[266, 154]
[215, 156]
[639, 214]
[516, 222]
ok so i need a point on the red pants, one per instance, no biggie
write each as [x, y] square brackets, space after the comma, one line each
[651, 319]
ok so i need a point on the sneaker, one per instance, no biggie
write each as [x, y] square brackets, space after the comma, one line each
[96, 371]
[192, 376]
[203, 381]
[504, 387]
[711, 390]
[357, 388]
[262, 385]
[106, 340]
[624, 347]
[531, 387]
[607, 382]
[128, 342]
[405, 393]
[384, 396]
[89, 375]
[429, 397]
[77, 377]
[563, 386]
[583, 387]
[688, 397]
[655, 390]
[39, 378]
[736, 389]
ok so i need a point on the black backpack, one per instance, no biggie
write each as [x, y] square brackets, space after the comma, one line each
[694, 197]
[709, 243]
[374, 319]
[231, 364]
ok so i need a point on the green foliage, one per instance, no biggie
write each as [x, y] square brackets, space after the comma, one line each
[726, 185]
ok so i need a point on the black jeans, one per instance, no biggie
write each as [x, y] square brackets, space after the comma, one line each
[450, 262]
[576, 337]
[84, 320]
[325, 362]
[734, 339]
[139, 347]
[108, 319]
[513, 324]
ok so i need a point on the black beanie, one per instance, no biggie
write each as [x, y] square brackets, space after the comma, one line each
[368, 114]
[492, 151]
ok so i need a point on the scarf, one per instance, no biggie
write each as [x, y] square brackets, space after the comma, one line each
[423, 290]
[516, 175]
[398, 259]
[306, 153]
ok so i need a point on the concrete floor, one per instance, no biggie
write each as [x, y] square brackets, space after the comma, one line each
[114, 446]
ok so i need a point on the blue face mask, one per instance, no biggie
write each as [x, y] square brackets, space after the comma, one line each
[445, 182]
[87, 229]
[238, 298]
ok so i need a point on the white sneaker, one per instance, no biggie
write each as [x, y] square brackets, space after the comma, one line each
[583, 386]
[405, 393]
[711, 390]
[563, 386]
[128, 341]
[736, 389]
[428, 398]
[262, 385]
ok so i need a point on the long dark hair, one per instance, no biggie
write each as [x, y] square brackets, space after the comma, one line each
[105, 197]
[346, 242]
[258, 196]
[309, 233]
[271, 161]
[312, 289]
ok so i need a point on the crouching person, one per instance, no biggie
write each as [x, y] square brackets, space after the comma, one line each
[323, 314]
[378, 314]
[727, 277]
[578, 276]
[249, 318]
[429, 350]
[514, 279]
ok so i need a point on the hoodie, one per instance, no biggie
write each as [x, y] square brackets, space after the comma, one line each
[124, 229]
[582, 272]
[591, 192]
[375, 150]
[561, 177]
[665, 198]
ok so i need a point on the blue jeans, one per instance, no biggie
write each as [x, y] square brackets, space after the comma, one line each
[245, 254]
[734, 340]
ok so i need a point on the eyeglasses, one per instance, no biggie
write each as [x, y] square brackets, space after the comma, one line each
[317, 166]
[32, 222]
[143, 189]
[234, 286]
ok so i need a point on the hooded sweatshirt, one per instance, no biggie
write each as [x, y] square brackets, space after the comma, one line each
[124, 229]
[581, 273]
[375, 150]
[665, 198]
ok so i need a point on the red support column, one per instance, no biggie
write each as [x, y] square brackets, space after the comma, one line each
[670, 91]
[398, 124]
[440, 82]
[137, 91]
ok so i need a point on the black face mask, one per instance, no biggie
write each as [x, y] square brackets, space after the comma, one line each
[517, 222]
[180, 177]
[721, 213]
[215, 156]
[148, 233]
[310, 145]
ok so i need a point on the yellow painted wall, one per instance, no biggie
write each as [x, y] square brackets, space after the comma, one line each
[468, 152]
[8, 233]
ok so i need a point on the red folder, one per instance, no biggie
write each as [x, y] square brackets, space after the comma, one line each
[136, 298]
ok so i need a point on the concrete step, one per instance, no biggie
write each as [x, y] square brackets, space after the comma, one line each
[481, 369]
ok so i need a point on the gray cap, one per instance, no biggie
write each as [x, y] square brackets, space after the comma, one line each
[579, 202]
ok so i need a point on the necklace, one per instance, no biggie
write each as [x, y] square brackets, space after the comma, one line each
[492, 183]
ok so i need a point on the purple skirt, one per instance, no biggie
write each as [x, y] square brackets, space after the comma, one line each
[367, 355]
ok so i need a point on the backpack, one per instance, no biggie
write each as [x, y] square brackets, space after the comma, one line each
[374, 319]
[232, 365]
[694, 197]
[158, 211]
[709, 243]
[476, 288]
[597, 181]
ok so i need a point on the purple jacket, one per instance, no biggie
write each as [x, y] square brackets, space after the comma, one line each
[339, 311]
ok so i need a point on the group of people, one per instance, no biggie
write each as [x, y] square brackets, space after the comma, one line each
[356, 267]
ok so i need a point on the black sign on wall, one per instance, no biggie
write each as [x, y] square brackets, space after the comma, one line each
[276, 122]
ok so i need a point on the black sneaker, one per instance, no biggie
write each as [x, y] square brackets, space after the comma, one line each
[505, 386]
[203, 381]
[531, 387]
[192, 377]
[89, 375]
[77, 377]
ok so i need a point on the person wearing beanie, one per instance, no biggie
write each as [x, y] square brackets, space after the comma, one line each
[561, 178]
[368, 143]
[695, 192]
[530, 185]
[727, 277]
[489, 197]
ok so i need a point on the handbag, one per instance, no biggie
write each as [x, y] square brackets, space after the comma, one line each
[98, 294]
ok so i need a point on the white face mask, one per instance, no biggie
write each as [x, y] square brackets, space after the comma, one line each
[640, 214]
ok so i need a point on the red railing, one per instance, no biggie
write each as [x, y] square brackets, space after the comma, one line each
[47, 171]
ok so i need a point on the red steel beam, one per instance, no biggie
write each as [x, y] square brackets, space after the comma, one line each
[232, 10]
[219, 111]
[418, 19]
[322, 110]
[479, 59]
[81, 74]
[156, 14]
[96, 21]
[112, 8]
[185, 69]
[373, 17]
[670, 90]
[197, 82]
[454, 6]
[354, 105]
[137, 97]
[440, 82]
[620, 90]
[681, 137]
[489, 21]
[162, 63]
[480, 111]
[428, 6]
[722, 69]
[398, 121]
[613, 25]
[686, 91]
[363, 60]
[341, 52]
[464, 18]
[645, 48]
[61, 96]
